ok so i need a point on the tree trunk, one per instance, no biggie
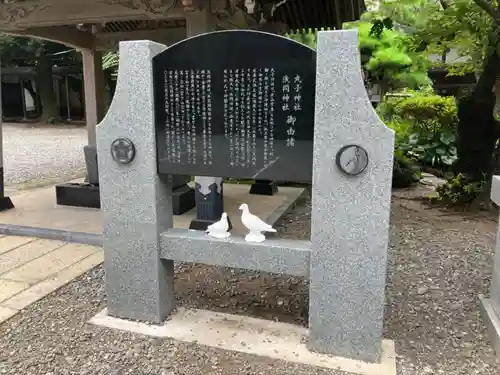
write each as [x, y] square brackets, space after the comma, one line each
[496, 112]
[46, 89]
[477, 135]
[478, 130]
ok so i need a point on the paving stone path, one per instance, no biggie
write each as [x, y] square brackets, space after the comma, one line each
[31, 268]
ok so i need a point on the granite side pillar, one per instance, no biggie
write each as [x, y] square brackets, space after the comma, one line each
[5, 202]
[136, 202]
[350, 214]
[490, 307]
[183, 197]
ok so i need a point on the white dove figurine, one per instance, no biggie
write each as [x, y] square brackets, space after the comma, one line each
[255, 225]
[220, 228]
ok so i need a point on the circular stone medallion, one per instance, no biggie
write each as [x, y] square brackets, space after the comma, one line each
[352, 159]
[122, 150]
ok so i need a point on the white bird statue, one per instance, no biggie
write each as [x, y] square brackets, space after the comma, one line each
[220, 228]
[255, 225]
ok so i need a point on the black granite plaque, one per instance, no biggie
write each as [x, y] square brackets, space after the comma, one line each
[236, 104]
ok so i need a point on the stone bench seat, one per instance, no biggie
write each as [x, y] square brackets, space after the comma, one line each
[277, 256]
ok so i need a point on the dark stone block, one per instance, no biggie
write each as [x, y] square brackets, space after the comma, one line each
[202, 224]
[6, 204]
[78, 195]
[87, 195]
[183, 199]
[260, 106]
[90, 153]
[209, 202]
[264, 187]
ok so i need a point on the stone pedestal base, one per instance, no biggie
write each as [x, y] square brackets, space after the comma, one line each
[90, 152]
[209, 194]
[264, 187]
[492, 321]
[87, 195]
[183, 199]
[78, 195]
[6, 204]
[202, 224]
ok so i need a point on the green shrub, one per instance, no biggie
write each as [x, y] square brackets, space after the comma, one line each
[459, 191]
[402, 129]
[425, 110]
[434, 149]
[405, 171]
[425, 127]
[389, 57]
[429, 113]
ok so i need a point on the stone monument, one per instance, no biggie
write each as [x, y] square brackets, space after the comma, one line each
[491, 306]
[267, 108]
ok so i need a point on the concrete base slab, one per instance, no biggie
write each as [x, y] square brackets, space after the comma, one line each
[37, 214]
[251, 336]
[492, 322]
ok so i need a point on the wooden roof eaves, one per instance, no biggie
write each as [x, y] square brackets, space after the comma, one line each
[44, 13]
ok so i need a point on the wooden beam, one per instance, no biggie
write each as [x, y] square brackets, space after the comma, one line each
[68, 35]
[41, 13]
[169, 36]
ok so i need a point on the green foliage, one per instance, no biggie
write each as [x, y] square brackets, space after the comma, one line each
[403, 12]
[390, 56]
[388, 53]
[471, 30]
[459, 191]
[438, 26]
[309, 37]
[23, 51]
[405, 171]
[110, 63]
[379, 26]
[425, 127]
[425, 110]
[432, 149]
[428, 111]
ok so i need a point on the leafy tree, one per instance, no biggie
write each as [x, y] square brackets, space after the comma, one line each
[388, 58]
[43, 56]
[110, 62]
[472, 29]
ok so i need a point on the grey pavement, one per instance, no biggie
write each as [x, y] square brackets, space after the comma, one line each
[35, 156]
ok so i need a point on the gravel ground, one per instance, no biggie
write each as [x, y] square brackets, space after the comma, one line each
[46, 153]
[439, 263]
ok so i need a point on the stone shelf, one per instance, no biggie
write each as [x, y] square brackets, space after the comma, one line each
[289, 257]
